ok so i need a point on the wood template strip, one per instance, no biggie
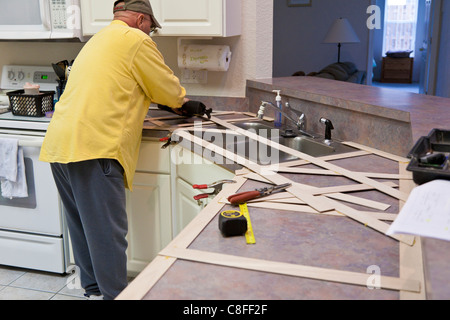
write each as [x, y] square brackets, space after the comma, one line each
[333, 173]
[358, 153]
[314, 201]
[142, 284]
[349, 174]
[411, 257]
[155, 270]
[335, 193]
[289, 269]
[377, 152]
[319, 203]
[301, 208]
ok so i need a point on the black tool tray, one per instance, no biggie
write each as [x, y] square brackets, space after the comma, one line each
[438, 141]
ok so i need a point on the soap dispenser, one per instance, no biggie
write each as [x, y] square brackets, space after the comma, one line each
[278, 116]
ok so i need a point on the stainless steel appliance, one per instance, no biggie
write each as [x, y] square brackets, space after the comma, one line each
[32, 230]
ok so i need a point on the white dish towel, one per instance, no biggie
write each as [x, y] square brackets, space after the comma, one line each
[12, 170]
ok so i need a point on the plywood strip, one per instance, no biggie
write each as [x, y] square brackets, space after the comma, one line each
[411, 257]
[139, 287]
[155, 270]
[314, 201]
[289, 269]
[283, 206]
[333, 173]
[347, 173]
[371, 221]
[331, 157]
[361, 201]
[377, 152]
[319, 203]
[193, 229]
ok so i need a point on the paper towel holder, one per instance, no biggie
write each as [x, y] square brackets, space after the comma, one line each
[194, 75]
[199, 59]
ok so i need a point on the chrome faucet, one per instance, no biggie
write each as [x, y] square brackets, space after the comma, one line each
[300, 123]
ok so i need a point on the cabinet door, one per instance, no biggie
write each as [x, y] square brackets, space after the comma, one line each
[187, 207]
[149, 219]
[193, 17]
[96, 14]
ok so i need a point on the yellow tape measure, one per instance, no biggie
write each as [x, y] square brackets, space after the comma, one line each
[249, 236]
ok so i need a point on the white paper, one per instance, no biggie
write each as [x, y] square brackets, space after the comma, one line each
[426, 213]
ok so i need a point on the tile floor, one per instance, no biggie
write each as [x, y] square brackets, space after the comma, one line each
[23, 284]
[407, 87]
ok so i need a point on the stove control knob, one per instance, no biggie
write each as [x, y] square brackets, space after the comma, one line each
[11, 75]
[21, 75]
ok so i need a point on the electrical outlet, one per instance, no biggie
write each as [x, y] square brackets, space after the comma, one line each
[194, 76]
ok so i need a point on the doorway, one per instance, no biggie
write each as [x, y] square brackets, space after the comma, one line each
[408, 25]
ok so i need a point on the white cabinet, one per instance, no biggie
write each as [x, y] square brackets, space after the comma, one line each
[219, 18]
[186, 207]
[212, 18]
[95, 15]
[191, 169]
[162, 201]
[149, 207]
[149, 219]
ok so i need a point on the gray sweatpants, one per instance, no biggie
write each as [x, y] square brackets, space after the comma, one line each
[93, 195]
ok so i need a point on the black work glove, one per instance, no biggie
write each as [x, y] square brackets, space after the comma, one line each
[190, 109]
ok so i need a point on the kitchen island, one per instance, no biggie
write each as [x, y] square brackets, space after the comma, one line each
[302, 253]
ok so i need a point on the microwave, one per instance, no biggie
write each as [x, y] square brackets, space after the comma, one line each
[40, 19]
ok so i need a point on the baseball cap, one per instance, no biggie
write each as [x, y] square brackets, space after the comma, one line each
[141, 6]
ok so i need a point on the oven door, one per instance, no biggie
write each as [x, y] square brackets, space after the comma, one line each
[40, 213]
[25, 19]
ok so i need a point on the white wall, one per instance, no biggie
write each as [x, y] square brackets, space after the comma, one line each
[299, 33]
[252, 53]
[37, 53]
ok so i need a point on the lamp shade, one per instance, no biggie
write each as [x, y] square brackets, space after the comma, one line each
[341, 32]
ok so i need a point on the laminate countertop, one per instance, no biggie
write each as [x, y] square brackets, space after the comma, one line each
[424, 112]
[296, 238]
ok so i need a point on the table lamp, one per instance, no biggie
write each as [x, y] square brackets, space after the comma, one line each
[341, 32]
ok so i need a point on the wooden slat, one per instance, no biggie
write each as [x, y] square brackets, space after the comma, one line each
[140, 286]
[333, 173]
[411, 257]
[319, 203]
[377, 152]
[296, 270]
[314, 201]
[347, 173]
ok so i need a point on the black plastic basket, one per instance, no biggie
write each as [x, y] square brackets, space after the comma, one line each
[437, 142]
[30, 105]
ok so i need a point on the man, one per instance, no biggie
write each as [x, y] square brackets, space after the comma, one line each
[93, 139]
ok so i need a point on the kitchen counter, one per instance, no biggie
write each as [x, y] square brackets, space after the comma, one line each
[385, 119]
[293, 237]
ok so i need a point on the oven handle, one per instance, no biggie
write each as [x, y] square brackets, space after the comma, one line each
[30, 143]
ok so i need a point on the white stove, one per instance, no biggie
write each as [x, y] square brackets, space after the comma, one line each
[32, 230]
[14, 78]
[10, 121]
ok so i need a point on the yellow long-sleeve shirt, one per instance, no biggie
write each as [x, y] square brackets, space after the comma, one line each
[115, 77]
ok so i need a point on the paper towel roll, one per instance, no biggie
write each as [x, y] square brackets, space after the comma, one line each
[204, 57]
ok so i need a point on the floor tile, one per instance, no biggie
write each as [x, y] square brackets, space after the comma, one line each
[66, 297]
[12, 293]
[72, 292]
[40, 281]
[8, 275]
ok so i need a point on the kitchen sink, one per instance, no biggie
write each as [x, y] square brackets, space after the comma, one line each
[265, 154]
